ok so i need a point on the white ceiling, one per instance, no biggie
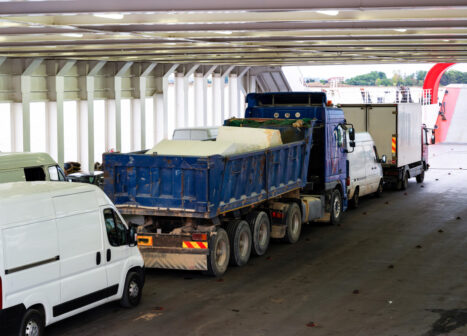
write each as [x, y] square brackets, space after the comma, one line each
[243, 32]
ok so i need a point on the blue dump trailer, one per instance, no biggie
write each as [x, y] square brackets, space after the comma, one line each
[204, 212]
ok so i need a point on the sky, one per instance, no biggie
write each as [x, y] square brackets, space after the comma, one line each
[348, 71]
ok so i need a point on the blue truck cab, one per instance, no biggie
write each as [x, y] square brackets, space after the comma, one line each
[204, 212]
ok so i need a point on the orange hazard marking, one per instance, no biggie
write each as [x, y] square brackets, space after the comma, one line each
[393, 145]
[195, 245]
[144, 241]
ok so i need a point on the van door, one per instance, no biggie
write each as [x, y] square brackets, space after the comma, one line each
[82, 258]
[373, 177]
[117, 249]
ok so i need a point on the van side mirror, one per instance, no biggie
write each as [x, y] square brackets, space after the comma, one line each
[383, 159]
[132, 240]
[352, 135]
[433, 139]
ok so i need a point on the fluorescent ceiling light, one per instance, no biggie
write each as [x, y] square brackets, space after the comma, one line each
[73, 35]
[402, 30]
[328, 12]
[225, 32]
[114, 16]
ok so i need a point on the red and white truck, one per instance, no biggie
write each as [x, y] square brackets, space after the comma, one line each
[398, 134]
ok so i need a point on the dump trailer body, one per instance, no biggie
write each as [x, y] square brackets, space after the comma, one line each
[204, 187]
[397, 133]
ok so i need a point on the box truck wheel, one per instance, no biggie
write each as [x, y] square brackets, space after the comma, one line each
[336, 206]
[404, 183]
[32, 323]
[132, 290]
[293, 220]
[260, 231]
[219, 253]
[240, 242]
[421, 177]
[355, 199]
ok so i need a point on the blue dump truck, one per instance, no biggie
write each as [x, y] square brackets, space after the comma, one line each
[202, 213]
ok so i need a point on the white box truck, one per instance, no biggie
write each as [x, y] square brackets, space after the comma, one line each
[64, 249]
[398, 133]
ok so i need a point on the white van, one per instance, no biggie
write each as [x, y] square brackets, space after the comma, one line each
[195, 133]
[64, 249]
[29, 167]
[365, 171]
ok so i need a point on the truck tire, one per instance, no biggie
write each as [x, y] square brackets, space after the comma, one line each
[379, 191]
[132, 290]
[219, 253]
[293, 220]
[420, 177]
[240, 242]
[354, 202]
[260, 231]
[336, 207]
[32, 323]
[404, 183]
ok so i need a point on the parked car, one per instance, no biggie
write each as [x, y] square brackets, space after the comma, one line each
[195, 133]
[15, 167]
[95, 177]
[365, 171]
[64, 249]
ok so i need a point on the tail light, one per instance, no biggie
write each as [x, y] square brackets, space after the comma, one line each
[277, 214]
[199, 236]
[347, 181]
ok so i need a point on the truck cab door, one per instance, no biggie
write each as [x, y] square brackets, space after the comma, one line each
[116, 247]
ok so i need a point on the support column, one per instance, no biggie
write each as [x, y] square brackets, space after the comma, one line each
[226, 73]
[189, 122]
[135, 118]
[208, 121]
[142, 103]
[200, 102]
[180, 120]
[26, 103]
[51, 129]
[234, 96]
[161, 106]
[110, 125]
[217, 99]
[16, 118]
[252, 84]
[118, 104]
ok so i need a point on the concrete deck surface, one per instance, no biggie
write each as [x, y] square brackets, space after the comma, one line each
[395, 266]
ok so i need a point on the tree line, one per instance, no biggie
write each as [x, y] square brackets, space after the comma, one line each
[378, 78]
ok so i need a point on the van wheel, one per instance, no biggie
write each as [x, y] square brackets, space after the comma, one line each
[293, 222]
[336, 207]
[132, 290]
[260, 231]
[219, 254]
[420, 177]
[354, 202]
[32, 323]
[240, 242]
[379, 191]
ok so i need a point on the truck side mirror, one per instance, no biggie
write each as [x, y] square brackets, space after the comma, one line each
[352, 144]
[433, 139]
[352, 135]
[383, 159]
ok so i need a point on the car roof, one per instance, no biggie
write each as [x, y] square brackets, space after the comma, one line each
[21, 160]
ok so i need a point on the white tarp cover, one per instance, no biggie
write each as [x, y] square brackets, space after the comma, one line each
[200, 148]
[261, 137]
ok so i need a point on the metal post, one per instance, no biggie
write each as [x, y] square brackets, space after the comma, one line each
[200, 102]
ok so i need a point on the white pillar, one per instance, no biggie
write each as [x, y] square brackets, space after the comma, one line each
[142, 113]
[51, 129]
[83, 138]
[252, 84]
[135, 118]
[180, 95]
[16, 117]
[217, 99]
[200, 102]
[158, 119]
[110, 122]
[233, 96]
[207, 120]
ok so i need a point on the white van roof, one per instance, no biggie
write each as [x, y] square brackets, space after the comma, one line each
[25, 201]
[22, 160]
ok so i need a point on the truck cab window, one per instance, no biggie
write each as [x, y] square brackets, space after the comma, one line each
[34, 174]
[116, 230]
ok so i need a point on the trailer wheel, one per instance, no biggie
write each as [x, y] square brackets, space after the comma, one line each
[219, 253]
[354, 202]
[260, 231]
[240, 242]
[420, 177]
[336, 207]
[293, 221]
